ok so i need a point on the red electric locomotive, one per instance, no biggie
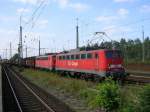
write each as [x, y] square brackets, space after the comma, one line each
[95, 63]
[45, 62]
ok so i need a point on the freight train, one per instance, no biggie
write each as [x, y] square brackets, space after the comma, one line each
[95, 64]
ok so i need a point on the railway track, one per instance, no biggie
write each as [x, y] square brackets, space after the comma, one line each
[138, 77]
[26, 97]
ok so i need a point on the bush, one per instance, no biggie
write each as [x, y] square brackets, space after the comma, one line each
[144, 100]
[108, 96]
[128, 108]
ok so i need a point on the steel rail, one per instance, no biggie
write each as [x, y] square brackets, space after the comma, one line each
[29, 89]
[16, 99]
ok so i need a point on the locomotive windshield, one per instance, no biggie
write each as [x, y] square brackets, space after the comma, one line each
[114, 54]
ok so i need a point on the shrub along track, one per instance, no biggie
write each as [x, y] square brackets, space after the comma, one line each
[32, 98]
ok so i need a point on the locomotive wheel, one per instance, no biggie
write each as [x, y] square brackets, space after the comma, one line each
[82, 77]
[98, 79]
[77, 75]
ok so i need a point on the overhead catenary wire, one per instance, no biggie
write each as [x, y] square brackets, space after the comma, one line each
[34, 13]
[122, 25]
[34, 17]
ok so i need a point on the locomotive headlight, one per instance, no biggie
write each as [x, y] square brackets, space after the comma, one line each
[119, 66]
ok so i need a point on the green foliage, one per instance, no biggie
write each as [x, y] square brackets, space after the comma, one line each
[128, 108]
[144, 100]
[108, 96]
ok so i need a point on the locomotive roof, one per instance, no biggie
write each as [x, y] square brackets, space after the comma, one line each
[90, 51]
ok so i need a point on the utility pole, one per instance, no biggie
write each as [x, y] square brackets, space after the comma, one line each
[39, 47]
[26, 51]
[20, 53]
[10, 51]
[77, 35]
[143, 45]
[6, 53]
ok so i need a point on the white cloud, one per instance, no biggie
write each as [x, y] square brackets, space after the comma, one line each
[42, 23]
[145, 8]
[123, 1]
[79, 7]
[22, 10]
[115, 29]
[123, 12]
[62, 3]
[106, 18]
[33, 2]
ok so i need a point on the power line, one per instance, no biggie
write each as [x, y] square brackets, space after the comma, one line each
[128, 24]
[34, 17]
[121, 25]
[42, 9]
[34, 13]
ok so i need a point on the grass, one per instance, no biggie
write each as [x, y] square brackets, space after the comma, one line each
[81, 89]
[52, 80]
[129, 97]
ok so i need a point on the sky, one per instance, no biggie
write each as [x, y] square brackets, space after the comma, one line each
[54, 23]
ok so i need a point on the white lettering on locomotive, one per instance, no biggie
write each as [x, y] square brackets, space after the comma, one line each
[75, 64]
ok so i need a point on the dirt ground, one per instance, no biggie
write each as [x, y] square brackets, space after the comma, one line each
[138, 67]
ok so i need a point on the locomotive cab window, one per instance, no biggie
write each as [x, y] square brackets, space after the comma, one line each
[113, 54]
